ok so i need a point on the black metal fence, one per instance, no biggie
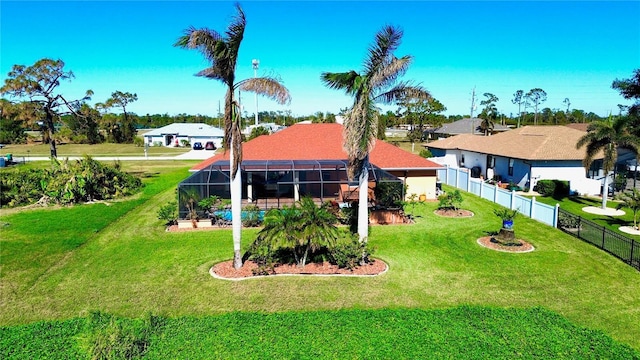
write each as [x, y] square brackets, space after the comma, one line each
[622, 247]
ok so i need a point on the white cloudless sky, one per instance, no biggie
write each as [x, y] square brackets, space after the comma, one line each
[569, 49]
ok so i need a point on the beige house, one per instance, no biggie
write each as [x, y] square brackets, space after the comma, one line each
[521, 156]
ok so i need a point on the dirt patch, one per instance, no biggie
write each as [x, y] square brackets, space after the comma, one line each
[460, 213]
[491, 243]
[225, 270]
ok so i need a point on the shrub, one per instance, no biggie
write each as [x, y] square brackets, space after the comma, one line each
[506, 214]
[555, 188]
[185, 143]
[388, 193]
[450, 200]
[68, 182]
[349, 216]
[258, 131]
[568, 221]
[251, 216]
[169, 213]
[348, 251]
[425, 153]
[299, 230]
[138, 141]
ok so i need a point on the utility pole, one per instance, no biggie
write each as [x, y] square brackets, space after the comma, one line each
[473, 101]
[473, 107]
[256, 63]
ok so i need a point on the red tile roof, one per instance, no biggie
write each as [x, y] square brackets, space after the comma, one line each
[320, 142]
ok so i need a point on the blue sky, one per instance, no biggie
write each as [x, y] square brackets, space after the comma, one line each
[570, 49]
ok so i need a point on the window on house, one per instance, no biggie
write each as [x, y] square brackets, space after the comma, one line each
[461, 160]
[491, 162]
[511, 161]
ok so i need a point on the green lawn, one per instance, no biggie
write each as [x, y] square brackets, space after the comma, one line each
[106, 149]
[118, 259]
[574, 205]
[467, 332]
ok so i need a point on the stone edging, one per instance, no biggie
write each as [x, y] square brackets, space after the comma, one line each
[506, 251]
[214, 275]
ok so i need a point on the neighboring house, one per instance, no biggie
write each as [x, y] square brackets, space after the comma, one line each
[308, 159]
[271, 128]
[521, 156]
[462, 126]
[173, 134]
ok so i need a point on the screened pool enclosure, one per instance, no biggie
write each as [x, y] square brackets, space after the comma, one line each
[275, 183]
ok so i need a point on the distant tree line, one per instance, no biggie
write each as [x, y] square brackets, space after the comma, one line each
[35, 105]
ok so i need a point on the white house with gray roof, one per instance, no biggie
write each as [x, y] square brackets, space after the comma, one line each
[463, 126]
[521, 156]
[173, 134]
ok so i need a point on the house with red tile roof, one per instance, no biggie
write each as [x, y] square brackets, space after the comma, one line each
[522, 156]
[308, 159]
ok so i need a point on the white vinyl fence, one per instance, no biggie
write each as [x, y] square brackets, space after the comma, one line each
[461, 179]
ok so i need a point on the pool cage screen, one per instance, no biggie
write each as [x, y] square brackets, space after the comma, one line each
[275, 183]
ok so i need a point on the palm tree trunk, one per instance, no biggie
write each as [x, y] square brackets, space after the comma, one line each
[363, 200]
[236, 212]
[605, 191]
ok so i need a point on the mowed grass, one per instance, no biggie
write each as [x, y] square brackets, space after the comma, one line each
[575, 204]
[105, 149]
[131, 267]
[467, 332]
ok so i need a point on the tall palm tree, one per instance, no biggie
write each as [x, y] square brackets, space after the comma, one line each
[607, 136]
[222, 51]
[376, 83]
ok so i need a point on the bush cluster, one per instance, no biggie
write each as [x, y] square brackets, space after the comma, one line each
[304, 232]
[68, 182]
[554, 188]
[450, 200]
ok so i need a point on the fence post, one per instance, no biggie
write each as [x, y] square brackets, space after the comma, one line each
[446, 175]
[532, 212]
[513, 197]
[603, 233]
[495, 194]
[468, 181]
[481, 188]
[555, 215]
[633, 244]
[579, 226]
[458, 178]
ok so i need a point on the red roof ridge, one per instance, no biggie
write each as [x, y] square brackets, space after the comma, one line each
[319, 142]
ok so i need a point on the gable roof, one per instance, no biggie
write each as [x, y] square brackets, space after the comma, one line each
[466, 126]
[557, 142]
[187, 129]
[320, 142]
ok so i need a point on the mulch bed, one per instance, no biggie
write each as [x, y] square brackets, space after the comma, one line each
[487, 242]
[453, 213]
[226, 270]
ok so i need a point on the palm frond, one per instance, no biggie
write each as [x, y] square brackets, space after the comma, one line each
[403, 90]
[213, 73]
[387, 41]
[347, 81]
[267, 86]
[235, 34]
[387, 74]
